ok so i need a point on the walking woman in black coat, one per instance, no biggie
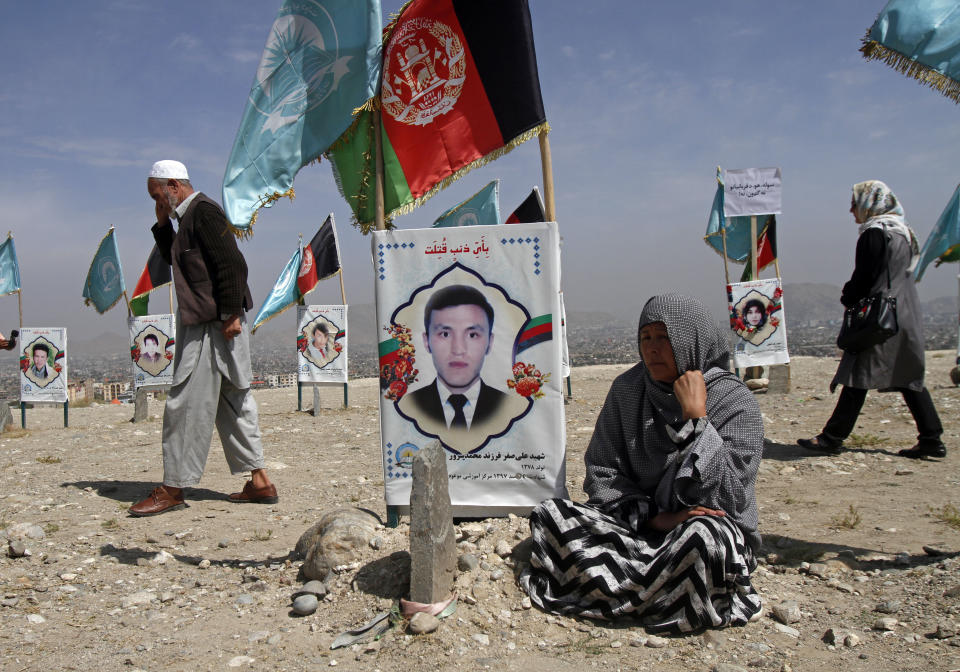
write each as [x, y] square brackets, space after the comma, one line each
[886, 243]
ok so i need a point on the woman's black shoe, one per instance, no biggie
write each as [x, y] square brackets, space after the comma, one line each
[821, 445]
[924, 450]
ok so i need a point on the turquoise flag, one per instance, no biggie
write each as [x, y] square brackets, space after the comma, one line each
[920, 38]
[104, 285]
[321, 61]
[9, 268]
[481, 208]
[943, 243]
[737, 228]
[285, 292]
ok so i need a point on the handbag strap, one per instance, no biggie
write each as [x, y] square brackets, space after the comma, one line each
[886, 253]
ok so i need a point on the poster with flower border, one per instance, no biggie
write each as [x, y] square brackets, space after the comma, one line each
[152, 349]
[757, 318]
[43, 364]
[470, 356]
[322, 344]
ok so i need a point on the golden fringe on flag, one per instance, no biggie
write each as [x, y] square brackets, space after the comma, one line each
[874, 51]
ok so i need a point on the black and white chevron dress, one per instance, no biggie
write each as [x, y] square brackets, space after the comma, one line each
[588, 563]
[600, 559]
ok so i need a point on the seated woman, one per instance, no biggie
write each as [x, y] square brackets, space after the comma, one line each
[669, 532]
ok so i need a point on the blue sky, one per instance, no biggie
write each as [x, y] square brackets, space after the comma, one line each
[645, 100]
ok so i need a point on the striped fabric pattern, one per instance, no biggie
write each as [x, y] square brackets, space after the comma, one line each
[588, 563]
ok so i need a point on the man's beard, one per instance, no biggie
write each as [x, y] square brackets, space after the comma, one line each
[171, 199]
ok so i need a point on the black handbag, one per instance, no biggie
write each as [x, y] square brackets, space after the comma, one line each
[873, 319]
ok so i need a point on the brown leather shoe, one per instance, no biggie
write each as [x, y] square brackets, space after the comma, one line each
[252, 495]
[158, 501]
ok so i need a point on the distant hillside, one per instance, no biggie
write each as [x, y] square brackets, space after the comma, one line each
[809, 303]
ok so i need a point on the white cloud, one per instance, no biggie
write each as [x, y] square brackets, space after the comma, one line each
[244, 55]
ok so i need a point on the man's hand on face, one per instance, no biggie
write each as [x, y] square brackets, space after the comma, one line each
[162, 209]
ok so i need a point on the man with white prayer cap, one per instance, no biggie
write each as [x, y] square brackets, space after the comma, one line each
[212, 375]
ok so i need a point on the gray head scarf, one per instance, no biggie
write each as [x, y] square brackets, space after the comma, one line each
[698, 345]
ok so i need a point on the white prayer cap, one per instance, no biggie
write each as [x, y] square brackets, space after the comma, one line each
[169, 170]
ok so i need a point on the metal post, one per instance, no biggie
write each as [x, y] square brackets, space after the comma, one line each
[299, 396]
[66, 414]
[346, 396]
[23, 414]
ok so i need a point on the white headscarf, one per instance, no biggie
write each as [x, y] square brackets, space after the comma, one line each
[876, 207]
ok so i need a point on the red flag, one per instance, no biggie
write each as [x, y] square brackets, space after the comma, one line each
[767, 243]
[531, 210]
[321, 258]
[766, 248]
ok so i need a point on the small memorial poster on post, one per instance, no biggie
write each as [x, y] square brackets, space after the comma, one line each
[322, 344]
[152, 349]
[757, 318]
[470, 355]
[751, 191]
[43, 364]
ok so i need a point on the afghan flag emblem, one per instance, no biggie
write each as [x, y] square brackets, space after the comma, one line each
[536, 330]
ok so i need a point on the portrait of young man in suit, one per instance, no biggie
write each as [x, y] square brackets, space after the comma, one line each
[458, 334]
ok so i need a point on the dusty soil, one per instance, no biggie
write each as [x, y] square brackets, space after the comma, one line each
[843, 535]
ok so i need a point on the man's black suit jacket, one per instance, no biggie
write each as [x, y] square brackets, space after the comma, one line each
[428, 402]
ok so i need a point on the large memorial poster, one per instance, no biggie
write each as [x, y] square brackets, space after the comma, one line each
[322, 344]
[757, 318]
[152, 347]
[470, 356]
[43, 364]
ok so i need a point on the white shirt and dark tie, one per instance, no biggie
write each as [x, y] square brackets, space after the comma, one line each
[465, 403]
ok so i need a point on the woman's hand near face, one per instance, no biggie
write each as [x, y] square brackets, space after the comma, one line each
[667, 520]
[691, 392]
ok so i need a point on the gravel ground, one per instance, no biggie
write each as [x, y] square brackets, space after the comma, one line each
[858, 550]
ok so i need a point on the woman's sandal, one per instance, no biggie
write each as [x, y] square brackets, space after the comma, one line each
[818, 444]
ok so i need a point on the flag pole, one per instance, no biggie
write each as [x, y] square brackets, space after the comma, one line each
[723, 238]
[378, 185]
[170, 287]
[126, 300]
[547, 165]
[343, 298]
[20, 305]
[753, 247]
[343, 292]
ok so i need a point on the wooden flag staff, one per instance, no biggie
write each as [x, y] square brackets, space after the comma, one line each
[378, 185]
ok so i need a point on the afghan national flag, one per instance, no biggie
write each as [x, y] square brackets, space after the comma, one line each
[531, 210]
[921, 39]
[156, 273]
[321, 258]
[459, 88]
[536, 330]
[766, 248]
